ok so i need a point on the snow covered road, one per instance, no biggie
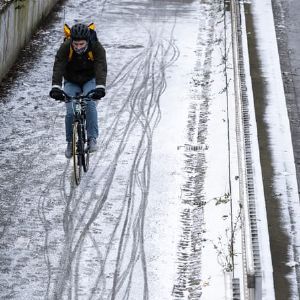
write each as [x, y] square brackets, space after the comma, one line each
[151, 218]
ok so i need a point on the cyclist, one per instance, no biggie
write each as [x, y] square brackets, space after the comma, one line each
[81, 72]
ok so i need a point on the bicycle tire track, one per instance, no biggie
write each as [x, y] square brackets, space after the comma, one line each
[96, 230]
[102, 203]
[189, 281]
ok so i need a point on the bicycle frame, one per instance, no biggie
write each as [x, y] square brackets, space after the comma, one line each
[79, 137]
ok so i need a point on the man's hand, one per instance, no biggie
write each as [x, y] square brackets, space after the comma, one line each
[57, 94]
[98, 93]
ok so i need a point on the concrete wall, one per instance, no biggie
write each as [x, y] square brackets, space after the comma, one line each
[18, 21]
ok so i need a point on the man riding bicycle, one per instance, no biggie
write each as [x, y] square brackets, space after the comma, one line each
[81, 63]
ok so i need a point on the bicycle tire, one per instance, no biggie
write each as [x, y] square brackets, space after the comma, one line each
[86, 160]
[77, 152]
[86, 153]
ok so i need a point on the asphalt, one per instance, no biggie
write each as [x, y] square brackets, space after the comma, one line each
[287, 26]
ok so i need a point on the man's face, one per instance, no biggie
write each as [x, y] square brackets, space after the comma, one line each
[79, 46]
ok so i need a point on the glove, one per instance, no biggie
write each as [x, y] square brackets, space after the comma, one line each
[57, 94]
[98, 93]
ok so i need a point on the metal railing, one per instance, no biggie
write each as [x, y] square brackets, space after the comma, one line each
[252, 288]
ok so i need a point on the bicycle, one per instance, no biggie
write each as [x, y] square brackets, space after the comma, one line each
[80, 149]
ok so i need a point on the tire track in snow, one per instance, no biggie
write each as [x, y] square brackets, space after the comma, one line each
[144, 181]
[142, 113]
[189, 284]
[80, 211]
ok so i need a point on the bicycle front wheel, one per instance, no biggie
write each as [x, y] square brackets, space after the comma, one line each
[77, 152]
[86, 153]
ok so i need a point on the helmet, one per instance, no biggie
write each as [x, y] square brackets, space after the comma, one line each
[80, 32]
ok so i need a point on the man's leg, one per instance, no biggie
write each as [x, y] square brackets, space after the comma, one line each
[91, 112]
[70, 89]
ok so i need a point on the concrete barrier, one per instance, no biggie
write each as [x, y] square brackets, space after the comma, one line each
[18, 21]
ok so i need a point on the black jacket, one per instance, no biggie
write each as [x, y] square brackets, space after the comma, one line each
[80, 68]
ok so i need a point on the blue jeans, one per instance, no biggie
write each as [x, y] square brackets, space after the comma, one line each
[73, 89]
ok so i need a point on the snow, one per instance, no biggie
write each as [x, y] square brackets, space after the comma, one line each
[151, 218]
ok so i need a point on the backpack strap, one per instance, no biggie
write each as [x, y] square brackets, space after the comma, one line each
[70, 53]
[90, 54]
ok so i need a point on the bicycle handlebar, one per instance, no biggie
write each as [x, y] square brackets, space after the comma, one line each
[70, 98]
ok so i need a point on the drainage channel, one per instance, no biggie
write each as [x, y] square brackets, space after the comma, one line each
[255, 278]
[250, 173]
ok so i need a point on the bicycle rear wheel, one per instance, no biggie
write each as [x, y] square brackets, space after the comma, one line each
[77, 144]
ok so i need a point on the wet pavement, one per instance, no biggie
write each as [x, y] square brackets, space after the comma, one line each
[281, 228]
[278, 237]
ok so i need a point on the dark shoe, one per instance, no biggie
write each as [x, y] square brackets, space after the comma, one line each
[68, 152]
[92, 145]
